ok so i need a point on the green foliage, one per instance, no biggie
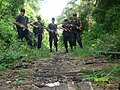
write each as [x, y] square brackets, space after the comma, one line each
[83, 52]
[23, 74]
[7, 39]
[32, 8]
[101, 24]
[12, 50]
[93, 35]
[116, 70]
[35, 5]
[10, 7]
[6, 33]
[102, 34]
[100, 75]
[18, 81]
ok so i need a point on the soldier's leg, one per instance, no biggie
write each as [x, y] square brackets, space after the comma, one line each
[70, 39]
[39, 40]
[50, 42]
[35, 40]
[74, 40]
[55, 42]
[20, 34]
[79, 39]
[65, 42]
[28, 38]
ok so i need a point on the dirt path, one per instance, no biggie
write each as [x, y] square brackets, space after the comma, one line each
[58, 70]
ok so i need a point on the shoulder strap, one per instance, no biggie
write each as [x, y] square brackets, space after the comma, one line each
[19, 16]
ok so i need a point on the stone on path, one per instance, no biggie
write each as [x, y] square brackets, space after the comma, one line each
[60, 87]
[85, 86]
[72, 86]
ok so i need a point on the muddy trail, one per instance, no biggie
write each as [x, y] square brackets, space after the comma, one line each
[57, 73]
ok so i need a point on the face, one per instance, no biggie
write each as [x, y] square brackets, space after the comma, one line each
[38, 20]
[65, 22]
[53, 21]
[22, 13]
[74, 17]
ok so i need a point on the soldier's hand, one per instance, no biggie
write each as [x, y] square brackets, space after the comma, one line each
[29, 30]
[22, 26]
[36, 26]
[78, 27]
[65, 29]
[71, 25]
[52, 31]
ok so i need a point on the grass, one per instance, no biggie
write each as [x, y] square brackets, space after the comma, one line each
[82, 52]
[107, 73]
[23, 74]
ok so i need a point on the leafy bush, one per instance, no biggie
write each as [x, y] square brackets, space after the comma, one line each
[12, 50]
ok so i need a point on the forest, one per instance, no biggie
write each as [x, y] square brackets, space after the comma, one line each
[100, 34]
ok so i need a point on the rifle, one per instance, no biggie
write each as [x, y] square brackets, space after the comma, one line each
[75, 26]
[53, 32]
[67, 27]
[25, 27]
[41, 27]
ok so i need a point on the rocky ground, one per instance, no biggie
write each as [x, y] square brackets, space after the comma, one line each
[60, 70]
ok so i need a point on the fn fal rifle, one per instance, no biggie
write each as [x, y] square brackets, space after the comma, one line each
[75, 26]
[24, 27]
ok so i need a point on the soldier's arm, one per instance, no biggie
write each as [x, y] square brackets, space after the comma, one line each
[28, 25]
[80, 25]
[15, 21]
[32, 24]
[56, 28]
[42, 31]
[48, 29]
[63, 27]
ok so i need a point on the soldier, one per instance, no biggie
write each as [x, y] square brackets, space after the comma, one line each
[21, 22]
[52, 29]
[67, 35]
[38, 31]
[76, 29]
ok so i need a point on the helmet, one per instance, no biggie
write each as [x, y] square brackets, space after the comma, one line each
[65, 20]
[74, 14]
[53, 18]
[38, 18]
[22, 10]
